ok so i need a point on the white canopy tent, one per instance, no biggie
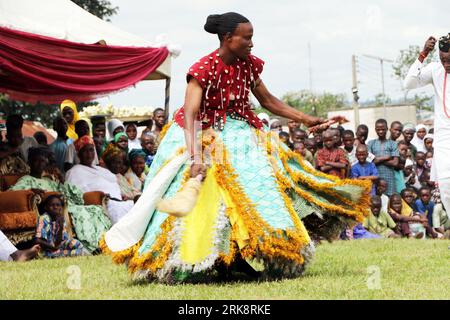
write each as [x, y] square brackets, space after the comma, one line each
[63, 19]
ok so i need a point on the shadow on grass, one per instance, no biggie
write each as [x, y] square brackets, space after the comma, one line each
[341, 272]
[234, 279]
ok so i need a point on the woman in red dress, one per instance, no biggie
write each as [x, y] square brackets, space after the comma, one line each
[258, 202]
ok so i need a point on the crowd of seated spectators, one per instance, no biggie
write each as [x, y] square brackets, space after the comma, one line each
[405, 200]
[81, 163]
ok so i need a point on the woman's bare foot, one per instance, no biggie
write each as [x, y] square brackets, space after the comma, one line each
[28, 254]
[419, 235]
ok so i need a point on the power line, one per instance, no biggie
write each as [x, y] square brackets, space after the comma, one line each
[382, 61]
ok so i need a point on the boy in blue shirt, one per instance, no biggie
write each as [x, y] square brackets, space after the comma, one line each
[425, 207]
[364, 169]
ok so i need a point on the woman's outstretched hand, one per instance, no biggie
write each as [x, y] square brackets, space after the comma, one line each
[327, 123]
[339, 119]
[311, 121]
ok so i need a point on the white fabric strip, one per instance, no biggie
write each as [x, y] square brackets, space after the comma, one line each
[131, 228]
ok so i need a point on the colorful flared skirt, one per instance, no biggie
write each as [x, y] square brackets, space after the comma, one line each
[259, 201]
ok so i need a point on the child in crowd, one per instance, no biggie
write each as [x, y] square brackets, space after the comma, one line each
[408, 134]
[425, 179]
[402, 147]
[425, 206]
[337, 136]
[310, 144]
[420, 163]
[114, 127]
[403, 215]
[378, 221]
[399, 176]
[395, 130]
[149, 146]
[99, 134]
[363, 169]
[98, 126]
[330, 159]
[299, 147]
[51, 232]
[411, 180]
[417, 141]
[318, 139]
[409, 196]
[386, 155]
[135, 174]
[131, 131]
[284, 137]
[292, 125]
[121, 141]
[348, 140]
[298, 135]
[99, 146]
[60, 145]
[428, 142]
[362, 132]
[429, 159]
[381, 188]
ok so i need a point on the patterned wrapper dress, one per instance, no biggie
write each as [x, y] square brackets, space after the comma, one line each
[259, 201]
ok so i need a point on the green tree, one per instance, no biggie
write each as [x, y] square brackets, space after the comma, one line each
[100, 8]
[401, 67]
[423, 102]
[315, 104]
[379, 99]
[404, 61]
[46, 113]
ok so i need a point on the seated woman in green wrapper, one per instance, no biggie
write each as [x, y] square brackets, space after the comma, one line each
[89, 222]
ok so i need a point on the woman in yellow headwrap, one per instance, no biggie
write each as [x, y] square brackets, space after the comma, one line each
[70, 113]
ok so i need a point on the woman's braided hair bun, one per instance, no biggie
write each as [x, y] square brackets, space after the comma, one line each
[221, 24]
[212, 23]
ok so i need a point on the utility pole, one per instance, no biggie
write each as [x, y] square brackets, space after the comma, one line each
[355, 93]
[310, 68]
[382, 79]
[313, 100]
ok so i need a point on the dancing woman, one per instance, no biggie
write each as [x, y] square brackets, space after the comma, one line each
[259, 202]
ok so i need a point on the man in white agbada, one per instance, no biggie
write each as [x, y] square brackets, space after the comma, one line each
[436, 74]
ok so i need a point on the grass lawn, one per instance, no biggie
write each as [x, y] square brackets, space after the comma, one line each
[393, 269]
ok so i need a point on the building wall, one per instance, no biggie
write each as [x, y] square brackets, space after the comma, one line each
[368, 116]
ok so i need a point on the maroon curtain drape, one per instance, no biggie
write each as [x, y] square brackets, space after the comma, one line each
[37, 68]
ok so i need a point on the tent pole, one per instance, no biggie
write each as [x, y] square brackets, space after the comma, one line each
[166, 101]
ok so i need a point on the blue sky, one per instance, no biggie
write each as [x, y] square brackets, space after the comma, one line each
[282, 31]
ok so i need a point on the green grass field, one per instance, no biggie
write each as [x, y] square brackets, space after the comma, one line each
[367, 269]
